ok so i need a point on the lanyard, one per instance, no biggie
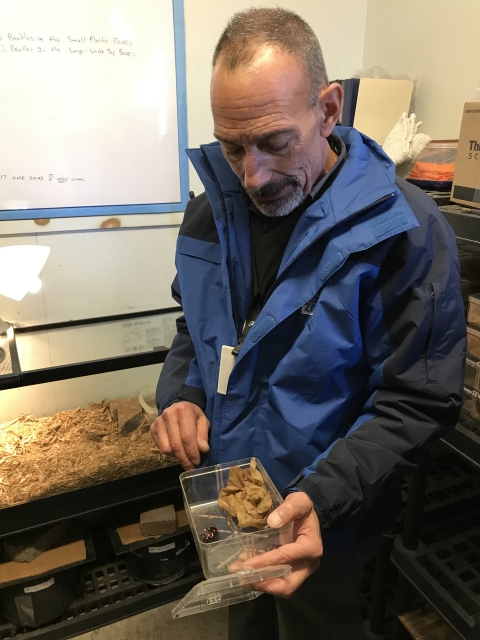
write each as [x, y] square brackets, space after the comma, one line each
[260, 290]
[252, 315]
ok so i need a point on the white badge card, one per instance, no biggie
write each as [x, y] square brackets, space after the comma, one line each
[227, 360]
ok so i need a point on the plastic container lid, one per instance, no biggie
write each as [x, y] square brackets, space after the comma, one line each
[227, 590]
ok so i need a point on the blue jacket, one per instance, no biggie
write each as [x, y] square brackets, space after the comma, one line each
[339, 403]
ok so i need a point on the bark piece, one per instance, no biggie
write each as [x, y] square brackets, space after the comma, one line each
[158, 522]
[127, 412]
[28, 546]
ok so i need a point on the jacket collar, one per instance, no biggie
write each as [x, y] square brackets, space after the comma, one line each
[350, 191]
[367, 178]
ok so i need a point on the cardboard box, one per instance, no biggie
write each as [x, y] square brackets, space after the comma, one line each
[472, 373]
[473, 341]
[466, 181]
[473, 314]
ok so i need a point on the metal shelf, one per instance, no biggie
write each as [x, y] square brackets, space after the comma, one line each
[18, 378]
[81, 369]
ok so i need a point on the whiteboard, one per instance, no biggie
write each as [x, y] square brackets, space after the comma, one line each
[92, 107]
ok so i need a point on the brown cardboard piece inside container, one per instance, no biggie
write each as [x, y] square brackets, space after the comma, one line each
[247, 497]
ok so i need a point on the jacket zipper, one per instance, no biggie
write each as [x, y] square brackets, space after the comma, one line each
[430, 327]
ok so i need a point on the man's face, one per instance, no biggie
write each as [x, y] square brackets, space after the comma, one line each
[271, 138]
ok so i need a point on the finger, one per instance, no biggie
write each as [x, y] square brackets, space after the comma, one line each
[163, 440]
[187, 419]
[203, 427]
[283, 587]
[172, 422]
[159, 436]
[297, 505]
[288, 554]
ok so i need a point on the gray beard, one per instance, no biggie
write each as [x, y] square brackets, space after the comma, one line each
[281, 207]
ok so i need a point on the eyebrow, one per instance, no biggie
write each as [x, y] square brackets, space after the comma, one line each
[260, 138]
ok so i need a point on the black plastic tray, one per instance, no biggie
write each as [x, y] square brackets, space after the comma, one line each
[445, 569]
[106, 594]
[465, 440]
[449, 482]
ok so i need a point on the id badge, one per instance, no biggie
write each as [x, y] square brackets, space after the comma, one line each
[227, 360]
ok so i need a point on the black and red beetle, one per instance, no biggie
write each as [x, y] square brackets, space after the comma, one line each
[209, 534]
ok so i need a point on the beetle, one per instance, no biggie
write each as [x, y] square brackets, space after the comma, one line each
[209, 534]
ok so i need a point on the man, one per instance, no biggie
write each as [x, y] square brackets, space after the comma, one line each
[323, 329]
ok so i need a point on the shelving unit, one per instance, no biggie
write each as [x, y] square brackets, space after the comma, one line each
[106, 590]
[440, 561]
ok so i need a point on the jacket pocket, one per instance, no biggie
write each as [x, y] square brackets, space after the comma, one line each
[432, 336]
[208, 251]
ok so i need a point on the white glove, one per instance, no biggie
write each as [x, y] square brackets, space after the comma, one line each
[403, 144]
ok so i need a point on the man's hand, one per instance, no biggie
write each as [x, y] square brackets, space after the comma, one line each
[182, 431]
[303, 555]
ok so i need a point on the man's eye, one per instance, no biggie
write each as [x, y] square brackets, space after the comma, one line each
[277, 148]
[234, 153]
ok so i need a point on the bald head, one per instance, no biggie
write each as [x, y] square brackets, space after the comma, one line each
[255, 29]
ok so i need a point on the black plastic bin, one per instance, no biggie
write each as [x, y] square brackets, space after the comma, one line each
[162, 562]
[39, 600]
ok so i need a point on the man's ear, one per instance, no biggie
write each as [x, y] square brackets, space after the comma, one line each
[330, 104]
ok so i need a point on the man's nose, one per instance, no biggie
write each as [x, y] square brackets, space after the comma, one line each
[256, 173]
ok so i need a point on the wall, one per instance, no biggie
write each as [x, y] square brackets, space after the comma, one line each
[101, 266]
[436, 40]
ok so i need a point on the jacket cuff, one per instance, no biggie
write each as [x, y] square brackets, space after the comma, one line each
[167, 400]
[194, 395]
[320, 502]
[186, 393]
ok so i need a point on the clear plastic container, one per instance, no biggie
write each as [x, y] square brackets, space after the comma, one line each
[436, 162]
[148, 403]
[222, 558]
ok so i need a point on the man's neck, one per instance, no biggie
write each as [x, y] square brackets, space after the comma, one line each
[332, 157]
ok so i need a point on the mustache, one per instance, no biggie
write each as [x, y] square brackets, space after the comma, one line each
[273, 188]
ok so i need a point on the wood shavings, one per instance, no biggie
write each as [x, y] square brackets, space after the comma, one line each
[40, 457]
[247, 497]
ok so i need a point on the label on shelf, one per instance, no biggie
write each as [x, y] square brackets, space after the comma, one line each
[165, 547]
[40, 587]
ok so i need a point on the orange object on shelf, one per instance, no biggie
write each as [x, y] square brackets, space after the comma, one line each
[432, 171]
[436, 162]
